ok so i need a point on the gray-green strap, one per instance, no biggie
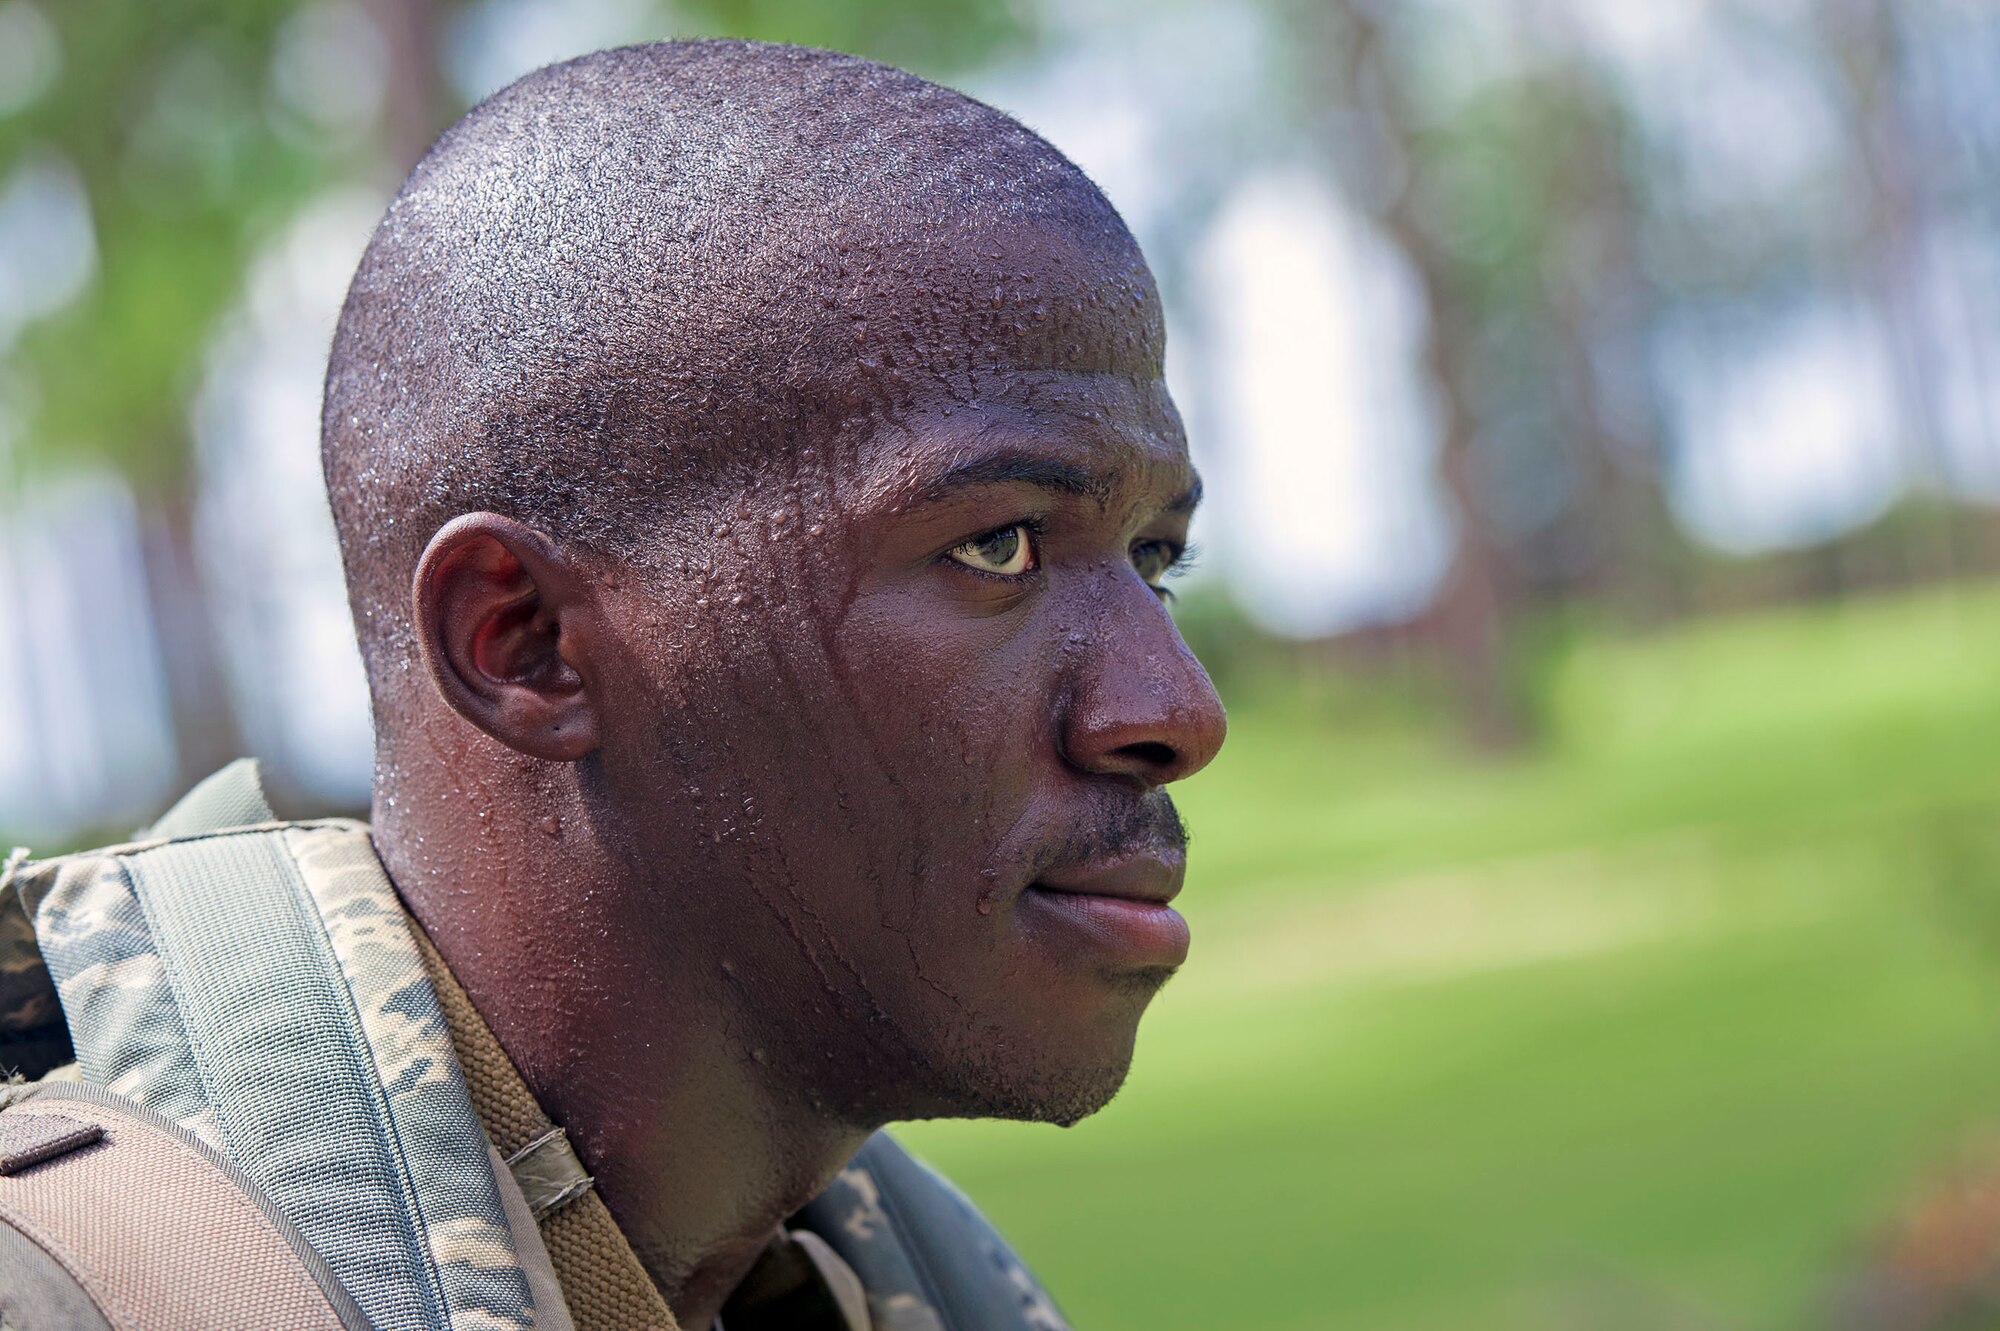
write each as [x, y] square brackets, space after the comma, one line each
[283, 1061]
[232, 797]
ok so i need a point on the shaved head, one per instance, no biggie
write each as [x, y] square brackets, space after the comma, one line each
[631, 280]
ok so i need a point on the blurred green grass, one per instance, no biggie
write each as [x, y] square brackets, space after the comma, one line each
[1651, 1027]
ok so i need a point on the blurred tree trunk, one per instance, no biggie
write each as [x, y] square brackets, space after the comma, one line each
[199, 701]
[414, 104]
[1600, 301]
[1370, 138]
[1866, 55]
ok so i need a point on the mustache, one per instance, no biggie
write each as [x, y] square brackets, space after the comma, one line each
[1147, 823]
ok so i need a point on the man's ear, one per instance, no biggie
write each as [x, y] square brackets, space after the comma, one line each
[504, 624]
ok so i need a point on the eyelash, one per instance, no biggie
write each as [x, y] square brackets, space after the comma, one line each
[1181, 560]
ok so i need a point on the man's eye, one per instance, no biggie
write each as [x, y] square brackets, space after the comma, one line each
[1008, 552]
[1155, 560]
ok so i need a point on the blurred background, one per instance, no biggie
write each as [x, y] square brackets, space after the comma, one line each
[1598, 904]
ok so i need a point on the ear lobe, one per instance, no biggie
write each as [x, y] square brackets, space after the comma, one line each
[502, 624]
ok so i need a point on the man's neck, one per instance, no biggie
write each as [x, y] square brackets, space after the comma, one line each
[701, 1171]
[696, 1149]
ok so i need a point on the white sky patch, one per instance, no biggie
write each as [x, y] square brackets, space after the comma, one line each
[1753, 123]
[1959, 292]
[1325, 506]
[1785, 438]
[1637, 35]
[1113, 94]
[48, 249]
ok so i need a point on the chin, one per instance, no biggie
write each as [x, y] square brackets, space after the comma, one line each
[1048, 1075]
[1063, 1097]
[1069, 1097]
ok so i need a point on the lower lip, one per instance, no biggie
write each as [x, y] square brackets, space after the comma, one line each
[1150, 932]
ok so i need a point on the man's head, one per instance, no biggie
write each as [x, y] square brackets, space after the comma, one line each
[754, 474]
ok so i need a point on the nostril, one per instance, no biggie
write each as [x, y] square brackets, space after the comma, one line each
[1151, 753]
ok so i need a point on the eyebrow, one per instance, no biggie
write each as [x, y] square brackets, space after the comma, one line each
[1048, 474]
[1024, 469]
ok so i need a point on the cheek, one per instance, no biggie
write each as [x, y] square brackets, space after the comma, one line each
[972, 693]
[958, 714]
[853, 770]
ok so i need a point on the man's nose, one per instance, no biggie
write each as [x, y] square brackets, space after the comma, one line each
[1140, 705]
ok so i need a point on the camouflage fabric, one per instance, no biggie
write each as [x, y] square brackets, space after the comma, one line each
[451, 1176]
[27, 994]
[261, 988]
[926, 1256]
[113, 983]
[898, 1300]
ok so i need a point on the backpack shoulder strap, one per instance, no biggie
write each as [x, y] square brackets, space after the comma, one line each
[258, 985]
[33, 1035]
[232, 797]
[113, 1218]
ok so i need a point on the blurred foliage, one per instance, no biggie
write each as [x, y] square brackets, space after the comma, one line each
[166, 113]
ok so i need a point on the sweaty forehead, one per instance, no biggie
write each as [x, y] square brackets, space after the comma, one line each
[1021, 294]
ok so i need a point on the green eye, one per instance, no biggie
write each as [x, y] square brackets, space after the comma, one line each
[1007, 552]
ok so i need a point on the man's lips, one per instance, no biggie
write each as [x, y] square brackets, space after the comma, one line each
[1153, 876]
[1118, 904]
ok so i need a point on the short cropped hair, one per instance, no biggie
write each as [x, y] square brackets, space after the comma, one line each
[631, 272]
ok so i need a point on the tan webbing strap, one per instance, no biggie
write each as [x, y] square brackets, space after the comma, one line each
[606, 1287]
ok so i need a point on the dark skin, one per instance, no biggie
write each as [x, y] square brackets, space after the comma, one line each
[845, 803]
